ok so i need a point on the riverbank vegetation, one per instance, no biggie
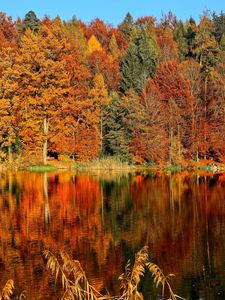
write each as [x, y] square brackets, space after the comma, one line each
[147, 91]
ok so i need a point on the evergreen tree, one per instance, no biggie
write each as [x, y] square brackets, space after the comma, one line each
[219, 26]
[30, 21]
[139, 62]
[115, 139]
[180, 36]
[126, 26]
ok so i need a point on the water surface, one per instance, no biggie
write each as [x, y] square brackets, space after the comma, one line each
[102, 219]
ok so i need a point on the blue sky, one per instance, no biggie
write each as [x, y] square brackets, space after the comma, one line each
[111, 11]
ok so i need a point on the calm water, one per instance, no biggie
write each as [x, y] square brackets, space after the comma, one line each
[103, 219]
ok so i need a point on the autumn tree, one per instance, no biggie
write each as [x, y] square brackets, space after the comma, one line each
[93, 45]
[76, 35]
[156, 138]
[191, 72]
[8, 105]
[167, 46]
[8, 32]
[43, 85]
[113, 47]
[101, 62]
[176, 96]
[216, 116]
[99, 97]
[99, 29]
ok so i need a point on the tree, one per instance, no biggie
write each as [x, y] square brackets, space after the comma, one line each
[139, 62]
[176, 97]
[125, 120]
[180, 36]
[93, 45]
[216, 116]
[168, 20]
[98, 28]
[8, 105]
[126, 26]
[99, 97]
[76, 36]
[218, 26]
[40, 82]
[191, 72]
[167, 46]
[101, 62]
[8, 32]
[113, 47]
[156, 138]
[30, 21]
[115, 140]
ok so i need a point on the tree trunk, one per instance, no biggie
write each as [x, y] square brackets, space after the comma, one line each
[45, 142]
[171, 146]
[205, 115]
[101, 133]
[10, 153]
[179, 144]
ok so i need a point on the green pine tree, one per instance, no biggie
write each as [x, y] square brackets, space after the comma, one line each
[139, 62]
[30, 21]
[126, 26]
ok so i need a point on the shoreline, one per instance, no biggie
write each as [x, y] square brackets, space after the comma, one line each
[111, 164]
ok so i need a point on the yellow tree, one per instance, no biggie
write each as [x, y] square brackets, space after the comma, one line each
[93, 45]
[8, 105]
[40, 82]
[100, 98]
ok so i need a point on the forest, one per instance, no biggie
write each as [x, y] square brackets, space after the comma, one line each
[147, 91]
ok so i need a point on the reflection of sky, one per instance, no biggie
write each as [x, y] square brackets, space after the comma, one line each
[112, 11]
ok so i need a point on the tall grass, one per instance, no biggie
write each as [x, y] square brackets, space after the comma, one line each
[106, 163]
[76, 285]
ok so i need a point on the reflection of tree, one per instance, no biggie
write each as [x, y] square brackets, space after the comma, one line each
[104, 221]
[73, 202]
[46, 204]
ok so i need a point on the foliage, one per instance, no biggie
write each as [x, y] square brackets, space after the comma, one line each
[30, 21]
[139, 62]
[168, 75]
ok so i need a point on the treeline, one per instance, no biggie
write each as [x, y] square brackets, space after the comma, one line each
[145, 91]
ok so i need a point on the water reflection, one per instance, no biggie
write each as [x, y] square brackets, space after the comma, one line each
[103, 219]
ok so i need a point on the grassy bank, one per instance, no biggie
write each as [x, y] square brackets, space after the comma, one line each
[42, 168]
[107, 163]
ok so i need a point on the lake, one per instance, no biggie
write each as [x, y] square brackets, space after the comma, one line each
[103, 218]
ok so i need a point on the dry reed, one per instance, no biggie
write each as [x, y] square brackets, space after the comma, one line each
[161, 279]
[77, 287]
[73, 278]
[7, 290]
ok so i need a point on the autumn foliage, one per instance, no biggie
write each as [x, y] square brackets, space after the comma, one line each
[147, 92]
